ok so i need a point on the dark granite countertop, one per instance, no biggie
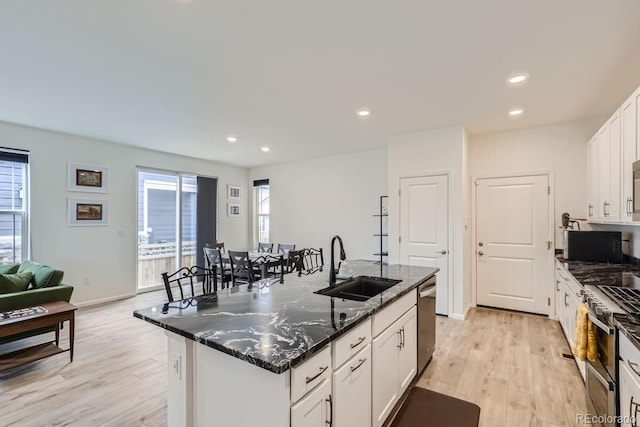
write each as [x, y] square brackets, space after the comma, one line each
[278, 325]
[602, 273]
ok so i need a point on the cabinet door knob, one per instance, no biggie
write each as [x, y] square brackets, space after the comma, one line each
[480, 253]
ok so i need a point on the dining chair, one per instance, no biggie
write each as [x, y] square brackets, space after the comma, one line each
[242, 270]
[265, 247]
[284, 249]
[217, 245]
[213, 256]
[269, 265]
[293, 261]
[312, 261]
[190, 282]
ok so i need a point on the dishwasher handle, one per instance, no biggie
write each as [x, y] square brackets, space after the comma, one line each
[427, 291]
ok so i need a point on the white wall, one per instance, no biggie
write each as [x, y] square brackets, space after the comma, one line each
[106, 255]
[313, 200]
[559, 148]
[440, 150]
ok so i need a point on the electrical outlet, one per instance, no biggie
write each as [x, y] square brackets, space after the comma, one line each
[175, 365]
[86, 281]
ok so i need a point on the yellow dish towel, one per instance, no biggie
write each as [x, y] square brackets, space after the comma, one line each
[581, 340]
[584, 345]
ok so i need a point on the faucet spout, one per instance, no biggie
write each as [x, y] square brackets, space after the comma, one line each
[343, 256]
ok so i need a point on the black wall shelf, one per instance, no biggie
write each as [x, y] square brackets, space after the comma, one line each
[382, 213]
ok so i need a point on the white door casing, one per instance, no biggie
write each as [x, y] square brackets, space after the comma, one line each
[424, 229]
[513, 244]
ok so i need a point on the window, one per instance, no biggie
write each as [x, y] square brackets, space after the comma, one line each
[172, 207]
[262, 209]
[14, 228]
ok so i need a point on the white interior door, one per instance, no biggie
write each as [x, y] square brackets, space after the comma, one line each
[424, 229]
[512, 253]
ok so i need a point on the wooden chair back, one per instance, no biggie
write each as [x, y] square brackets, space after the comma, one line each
[241, 267]
[265, 247]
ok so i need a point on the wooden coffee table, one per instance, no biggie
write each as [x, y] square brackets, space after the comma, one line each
[57, 312]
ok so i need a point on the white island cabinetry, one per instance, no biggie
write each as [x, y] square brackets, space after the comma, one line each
[394, 355]
[354, 381]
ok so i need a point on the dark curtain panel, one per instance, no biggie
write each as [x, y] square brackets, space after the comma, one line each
[206, 210]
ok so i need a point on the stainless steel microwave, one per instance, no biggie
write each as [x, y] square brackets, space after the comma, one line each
[636, 191]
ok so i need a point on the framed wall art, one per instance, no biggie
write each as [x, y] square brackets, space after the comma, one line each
[234, 192]
[233, 209]
[87, 178]
[88, 212]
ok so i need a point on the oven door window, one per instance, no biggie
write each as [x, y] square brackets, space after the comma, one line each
[600, 390]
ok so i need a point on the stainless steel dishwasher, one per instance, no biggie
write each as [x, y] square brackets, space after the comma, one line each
[426, 322]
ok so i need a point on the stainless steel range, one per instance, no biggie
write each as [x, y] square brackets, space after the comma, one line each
[603, 375]
[601, 385]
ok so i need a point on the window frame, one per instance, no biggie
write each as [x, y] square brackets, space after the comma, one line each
[24, 213]
[258, 216]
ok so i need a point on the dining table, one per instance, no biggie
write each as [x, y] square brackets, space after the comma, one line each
[264, 261]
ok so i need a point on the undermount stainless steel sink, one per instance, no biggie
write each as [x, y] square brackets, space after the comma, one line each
[359, 288]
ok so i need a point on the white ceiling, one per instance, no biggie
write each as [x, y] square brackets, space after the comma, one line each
[180, 75]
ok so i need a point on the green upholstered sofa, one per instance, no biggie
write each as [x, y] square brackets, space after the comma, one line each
[44, 285]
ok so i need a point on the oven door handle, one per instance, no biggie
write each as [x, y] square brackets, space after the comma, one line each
[608, 384]
[609, 330]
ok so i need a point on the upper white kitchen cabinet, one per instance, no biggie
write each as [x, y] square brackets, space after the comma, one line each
[607, 208]
[610, 156]
[630, 119]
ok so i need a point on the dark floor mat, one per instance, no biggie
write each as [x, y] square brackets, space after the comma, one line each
[424, 408]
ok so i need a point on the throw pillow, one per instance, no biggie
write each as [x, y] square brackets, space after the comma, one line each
[18, 282]
[9, 269]
[55, 279]
[41, 273]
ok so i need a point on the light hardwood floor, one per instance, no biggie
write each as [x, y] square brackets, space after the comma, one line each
[510, 364]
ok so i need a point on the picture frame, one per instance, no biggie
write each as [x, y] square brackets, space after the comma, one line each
[234, 210]
[88, 212]
[234, 192]
[87, 178]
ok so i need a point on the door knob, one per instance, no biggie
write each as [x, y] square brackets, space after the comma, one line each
[480, 244]
[443, 252]
[480, 253]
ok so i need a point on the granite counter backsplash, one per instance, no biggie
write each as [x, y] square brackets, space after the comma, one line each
[278, 325]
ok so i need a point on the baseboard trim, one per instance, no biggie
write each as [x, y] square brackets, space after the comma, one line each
[461, 316]
[103, 300]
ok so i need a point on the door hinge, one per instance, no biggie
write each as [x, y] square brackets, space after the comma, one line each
[399, 192]
[548, 189]
[549, 302]
[548, 245]
[399, 239]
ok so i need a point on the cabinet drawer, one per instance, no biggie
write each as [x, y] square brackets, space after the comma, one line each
[308, 375]
[383, 319]
[351, 343]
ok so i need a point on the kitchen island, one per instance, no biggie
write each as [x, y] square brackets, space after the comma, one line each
[235, 359]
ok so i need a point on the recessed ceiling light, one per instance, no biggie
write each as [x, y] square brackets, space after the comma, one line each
[265, 149]
[517, 79]
[515, 112]
[232, 139]
[363, 112]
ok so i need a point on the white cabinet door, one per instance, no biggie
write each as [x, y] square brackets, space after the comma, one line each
[629, 122]
[629, 395]
[394, 364]
[352, 391]
[408, 352]
[314, 409]
[384, 379]
[608, 207]
[560, 302]
[592, 177]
